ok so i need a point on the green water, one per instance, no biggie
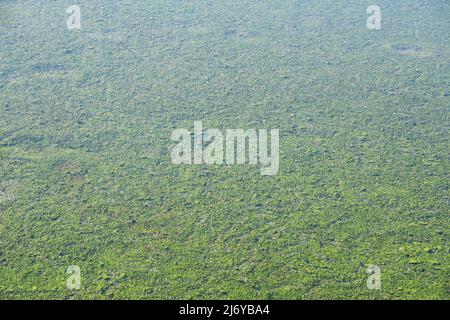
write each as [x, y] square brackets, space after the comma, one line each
[86, 177]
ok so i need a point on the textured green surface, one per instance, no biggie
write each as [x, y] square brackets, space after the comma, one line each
[86, 177]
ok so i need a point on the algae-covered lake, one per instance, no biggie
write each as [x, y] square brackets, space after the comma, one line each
[87, 115]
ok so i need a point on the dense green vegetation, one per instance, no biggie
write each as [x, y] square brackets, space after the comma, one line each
[86, 178]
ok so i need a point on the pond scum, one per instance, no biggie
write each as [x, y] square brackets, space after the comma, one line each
[87, 181]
